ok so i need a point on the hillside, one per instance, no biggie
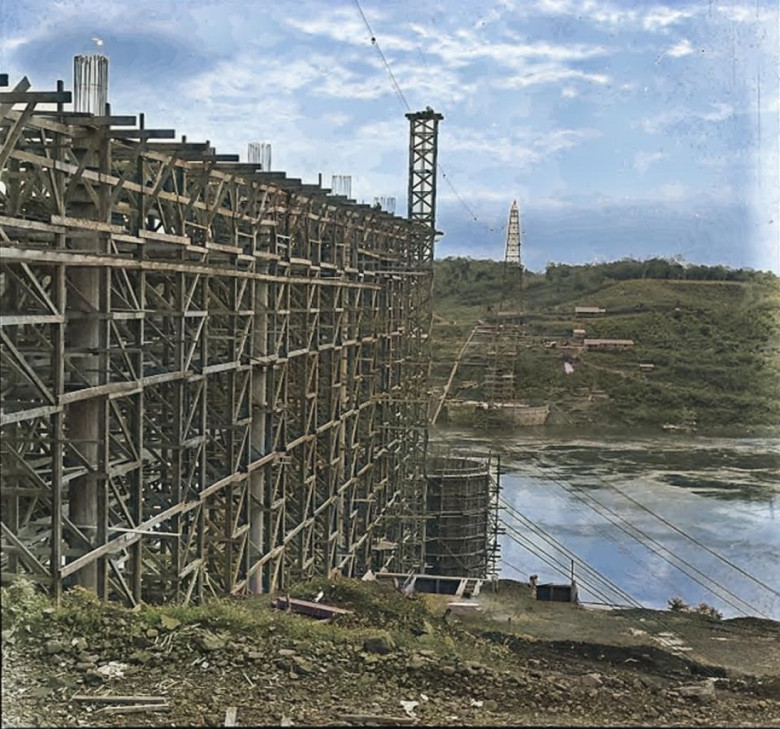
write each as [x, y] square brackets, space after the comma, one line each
[711, 334]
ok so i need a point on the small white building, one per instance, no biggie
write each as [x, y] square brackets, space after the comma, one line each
[589, 310]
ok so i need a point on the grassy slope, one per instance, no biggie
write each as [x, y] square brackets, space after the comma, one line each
[715, 344]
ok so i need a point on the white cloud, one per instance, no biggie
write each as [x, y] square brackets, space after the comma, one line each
[239, 79]
[472, 193]
[344, 25]
[464, 48]
[720, 112]
[683, 48]
[604, 13]
[9, 45]
[569, 92]
[654, 18]
[561, 139]
[524, 148]
[643, 160]
[548, 74]
[723, 160]
[743, 13]
[660, 18]
[337, 119]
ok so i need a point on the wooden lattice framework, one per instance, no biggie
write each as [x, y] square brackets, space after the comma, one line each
[213, 378]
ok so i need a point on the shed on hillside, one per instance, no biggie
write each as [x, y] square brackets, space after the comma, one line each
[557, 593]
[608, 343]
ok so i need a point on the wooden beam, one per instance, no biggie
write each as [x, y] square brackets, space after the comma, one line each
[35, 97]
[142, 133]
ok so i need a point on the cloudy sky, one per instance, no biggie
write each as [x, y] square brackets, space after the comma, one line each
[623, 128]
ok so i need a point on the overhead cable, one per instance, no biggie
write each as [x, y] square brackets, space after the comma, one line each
[402, 98]
[584, 565]
[645, 538]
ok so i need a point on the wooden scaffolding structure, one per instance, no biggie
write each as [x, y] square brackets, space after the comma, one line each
[213, 378]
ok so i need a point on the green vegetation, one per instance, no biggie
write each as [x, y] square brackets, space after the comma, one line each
[407, 622]
[711, 333]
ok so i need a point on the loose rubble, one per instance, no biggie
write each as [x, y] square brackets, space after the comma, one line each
[92, 665]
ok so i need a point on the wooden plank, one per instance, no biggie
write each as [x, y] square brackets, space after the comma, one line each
[133, 709]
[86, 224]
[22, 224]
[113, 388]
[35, 97]
[164, 237]
[139, 699]
[27, 556]
[98, 121]
[6, 577]
[16, 320]
[49, 256]
[363, 719]
[26, 370]
[125, 540]
[142, 133]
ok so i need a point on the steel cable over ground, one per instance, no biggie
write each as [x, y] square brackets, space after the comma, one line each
[693, 539]
[561, 567]
[584, 566]
[600, 528]
[548, 558]
[675, 528]
[646, 540]
[661, 621]
[375, 43]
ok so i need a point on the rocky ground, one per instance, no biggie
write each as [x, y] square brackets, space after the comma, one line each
[394, 661]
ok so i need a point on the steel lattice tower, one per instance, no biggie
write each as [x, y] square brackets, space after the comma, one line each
[412, 396]
[423, 136]
[513, 236]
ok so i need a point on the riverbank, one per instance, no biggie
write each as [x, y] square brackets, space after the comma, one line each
[393, 660]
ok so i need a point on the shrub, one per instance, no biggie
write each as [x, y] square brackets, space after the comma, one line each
[22, 601]
[704, 609]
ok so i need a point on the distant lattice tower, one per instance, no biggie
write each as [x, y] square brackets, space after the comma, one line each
[513, 236]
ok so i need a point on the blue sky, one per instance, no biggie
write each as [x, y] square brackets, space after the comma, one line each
[622, 128]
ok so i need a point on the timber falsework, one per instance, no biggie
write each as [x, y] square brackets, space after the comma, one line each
[214, 379]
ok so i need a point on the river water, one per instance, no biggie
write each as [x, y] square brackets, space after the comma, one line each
[658, 516]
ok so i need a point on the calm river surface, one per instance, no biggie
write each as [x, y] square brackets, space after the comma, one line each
[616, 503]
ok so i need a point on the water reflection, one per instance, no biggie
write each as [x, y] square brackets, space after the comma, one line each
[719, 492]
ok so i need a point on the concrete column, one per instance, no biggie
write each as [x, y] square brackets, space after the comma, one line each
[82, 335]
[260, 398]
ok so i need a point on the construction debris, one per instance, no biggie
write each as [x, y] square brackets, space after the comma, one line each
[121, 699]
[230, 716]
[307, 607]
[365, 719]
